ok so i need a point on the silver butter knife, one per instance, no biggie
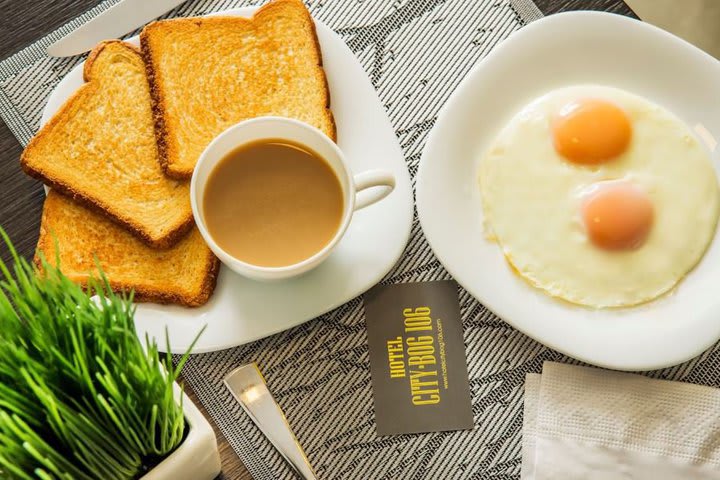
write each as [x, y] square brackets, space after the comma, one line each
[248, 387]
[114, 22]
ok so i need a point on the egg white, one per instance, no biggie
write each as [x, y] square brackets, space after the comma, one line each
[532, 200]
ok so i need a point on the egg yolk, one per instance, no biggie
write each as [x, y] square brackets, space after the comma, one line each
[591, 131]
[617, 216]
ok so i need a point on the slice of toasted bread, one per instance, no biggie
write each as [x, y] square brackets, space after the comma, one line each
[183, 274]
[100, 149]
[209, 73]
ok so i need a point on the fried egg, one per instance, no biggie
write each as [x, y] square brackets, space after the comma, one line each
[599, 197]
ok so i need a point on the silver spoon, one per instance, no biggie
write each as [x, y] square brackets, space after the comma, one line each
[249, 388]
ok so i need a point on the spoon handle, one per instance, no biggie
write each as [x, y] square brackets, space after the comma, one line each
[249, 388]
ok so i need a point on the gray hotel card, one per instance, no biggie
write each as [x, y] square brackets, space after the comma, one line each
[417, 358]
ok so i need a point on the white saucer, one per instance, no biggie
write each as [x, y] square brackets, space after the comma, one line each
[242, 310]
[565, 49]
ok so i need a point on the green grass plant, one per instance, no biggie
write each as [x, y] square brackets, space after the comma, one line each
[81, 397]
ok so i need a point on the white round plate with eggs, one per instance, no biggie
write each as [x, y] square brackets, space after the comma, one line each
[562, 50]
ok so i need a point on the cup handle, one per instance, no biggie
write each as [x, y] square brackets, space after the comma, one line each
[370, 179]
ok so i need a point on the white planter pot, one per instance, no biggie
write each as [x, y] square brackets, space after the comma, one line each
[197, 458]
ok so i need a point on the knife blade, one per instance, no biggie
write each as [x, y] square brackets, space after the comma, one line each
[114, 22]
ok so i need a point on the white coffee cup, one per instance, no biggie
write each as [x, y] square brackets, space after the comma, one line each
[293, 131]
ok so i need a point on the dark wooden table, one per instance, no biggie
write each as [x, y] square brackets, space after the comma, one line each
[21, 23]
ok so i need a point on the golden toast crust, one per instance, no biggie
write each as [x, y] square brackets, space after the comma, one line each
[52, 139]
[100, 207]
[158, 107]
[178, 160]
[185, 274]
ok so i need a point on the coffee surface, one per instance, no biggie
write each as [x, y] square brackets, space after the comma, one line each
[272, 203]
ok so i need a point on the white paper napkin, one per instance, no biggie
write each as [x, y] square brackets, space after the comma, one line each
[590, 423]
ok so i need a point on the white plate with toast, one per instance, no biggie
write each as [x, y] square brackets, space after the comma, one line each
[570, 49]
[242, 310]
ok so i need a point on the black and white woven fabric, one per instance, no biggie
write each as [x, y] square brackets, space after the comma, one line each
[415, 52]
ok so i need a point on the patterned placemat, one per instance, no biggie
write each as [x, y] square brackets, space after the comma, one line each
[415, 52]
